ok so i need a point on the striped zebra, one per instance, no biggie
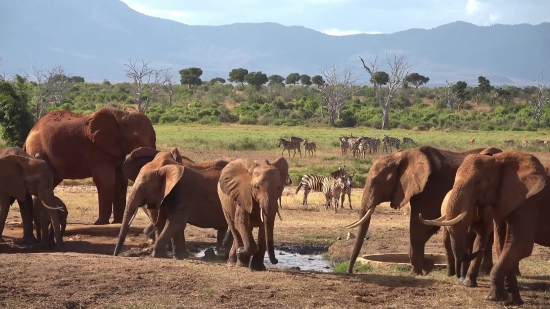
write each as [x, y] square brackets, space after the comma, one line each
[344, 144]
[347, 190]
[354, 145]
[374, 145]
[309, 147]
[333, 188]
[289, 145]
[390, 142]
[296, 139]
[312, 182]
[408, 140]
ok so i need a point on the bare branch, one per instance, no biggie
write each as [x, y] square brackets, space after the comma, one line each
[57, 84]
[169, 85]
[450, 95]
[39, 76]
[338, 89]
[145, 78]
[399, 69]
[542, 98]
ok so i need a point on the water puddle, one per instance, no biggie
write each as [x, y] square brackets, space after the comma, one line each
[289, 260]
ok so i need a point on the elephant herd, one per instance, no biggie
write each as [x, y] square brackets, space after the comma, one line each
[471, 195]
[479, 197]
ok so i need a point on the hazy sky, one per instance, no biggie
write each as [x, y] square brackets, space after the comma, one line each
[341, 17]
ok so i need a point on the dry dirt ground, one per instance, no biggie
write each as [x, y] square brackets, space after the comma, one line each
[87, 276]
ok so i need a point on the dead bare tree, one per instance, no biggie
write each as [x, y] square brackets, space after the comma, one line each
[542, 98]
[399, 69]
[450, 95]
[337, 89]
[58, 83]
[372, 69]
[169, 86]
[40, 102]
[147, 80]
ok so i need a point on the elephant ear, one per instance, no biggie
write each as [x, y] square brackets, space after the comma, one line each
[235, 182]
[522, 177]
[413, 172]
[490, 151]
[103, 131]
[13, 176]
[175, 154]
[170, 175]
[136, 160]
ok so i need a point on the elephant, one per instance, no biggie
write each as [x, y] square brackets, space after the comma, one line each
[282, 165]
[421, 176]
[476, 231]
[248, 191]
[514, 185]
[23, 176]
[207, 213]
[42, 220]
[92, 145]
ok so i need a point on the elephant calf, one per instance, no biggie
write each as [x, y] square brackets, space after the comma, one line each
[43, 222]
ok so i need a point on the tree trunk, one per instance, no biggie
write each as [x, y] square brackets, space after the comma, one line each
[386, 114]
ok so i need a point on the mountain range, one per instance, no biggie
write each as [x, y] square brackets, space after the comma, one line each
[94, 38]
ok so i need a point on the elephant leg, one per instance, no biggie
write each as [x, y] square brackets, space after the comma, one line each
[119, 203]
[257, 262]
[104, 179]
[487, 262]
[26, 209]
[175, 226]
[419, 235]
[5, 203]
[349, 200]
[451, 271]
[54, 218]
[470, 279]
[161, 224]
[244, 229]
[237, 243]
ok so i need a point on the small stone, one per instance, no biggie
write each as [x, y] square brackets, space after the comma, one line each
[294, 268]
[139, 277]
[350, 235]
[359, 298]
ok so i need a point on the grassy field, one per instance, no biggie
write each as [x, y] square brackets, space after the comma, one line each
[86, 277]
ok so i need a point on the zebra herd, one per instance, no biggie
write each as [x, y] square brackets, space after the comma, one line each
[360, 145]
[294, 144]
[335, 187]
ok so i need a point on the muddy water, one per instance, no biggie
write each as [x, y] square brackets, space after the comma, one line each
[292, 260]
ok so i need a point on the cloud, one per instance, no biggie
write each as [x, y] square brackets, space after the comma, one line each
[338, 32]
[181, 16]
[472, 6]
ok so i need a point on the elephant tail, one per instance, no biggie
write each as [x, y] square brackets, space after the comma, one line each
[469, 257]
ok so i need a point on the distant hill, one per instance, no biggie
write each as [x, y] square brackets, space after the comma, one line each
[94, 38]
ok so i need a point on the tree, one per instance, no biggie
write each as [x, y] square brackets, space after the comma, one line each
[318, 81]
[542, 98]
[238, 76]
[337, 90]
[399, 68]
[76, 79]
[305, 80]
[276, 80]
[460, 88]
[39, 76]
[256, 79]
[191, 77]
[218, 80]
[416, 80]
[147, 80]
[57, 84]
[292, 78]
[169, 86]
[484, 85]
[15, 117]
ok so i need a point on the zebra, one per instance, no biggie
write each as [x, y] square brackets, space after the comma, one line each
[347, 190]
[354, 145]
[374, 145]
[344, 144]
[309, 147]
[312, 182]
[408, 140]
[332, 188]
[390, 142]
[296, 139]
[289, 145]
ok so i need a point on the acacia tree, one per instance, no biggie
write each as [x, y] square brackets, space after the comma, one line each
[276, 80]
[318, 81]
[191, 77]
[337, 89]
[542, 98]
[305, 80]
[399, 68]
[238, 76]
[292, 79]
[256, 79]
[416, 80]
[145, 79]
[218, 80]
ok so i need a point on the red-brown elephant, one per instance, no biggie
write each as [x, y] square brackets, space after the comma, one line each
[92, 145]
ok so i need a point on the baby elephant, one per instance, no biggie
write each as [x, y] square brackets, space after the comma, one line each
[43, 223]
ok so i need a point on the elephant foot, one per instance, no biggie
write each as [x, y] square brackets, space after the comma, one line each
[428, 266]
[257, 267]
[26, 241]
[469, 282]
[496, 294]
[181, 255]
[451, 272]
[243, 257]
[159, 254]
[117, 221]
[101, 221]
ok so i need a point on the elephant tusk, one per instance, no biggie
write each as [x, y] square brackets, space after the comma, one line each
[365, 218]
[431, 222]
[133, 216]
[444, 223]
[152, 231]
[262, 215]
[278, 213]
[52, 208]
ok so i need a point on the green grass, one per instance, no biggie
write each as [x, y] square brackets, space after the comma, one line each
[358, 267]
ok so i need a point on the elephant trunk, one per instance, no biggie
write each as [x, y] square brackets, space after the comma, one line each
[269, 224]
[459, 202]
[47, 199]
[361, 233]
[129, 213]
